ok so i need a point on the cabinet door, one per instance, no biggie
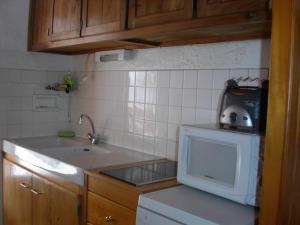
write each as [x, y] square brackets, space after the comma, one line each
[41, 16]
[53, 205]
[103, 16]
[66, 19]
[40, 200]
[222, 7]
[65, 206]
[151, 12]
[16, 195]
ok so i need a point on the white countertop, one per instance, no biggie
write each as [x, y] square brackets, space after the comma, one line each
[194, 207]
[69, 157]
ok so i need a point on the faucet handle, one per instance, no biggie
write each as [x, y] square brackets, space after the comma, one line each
[94, 138]
[89, 136]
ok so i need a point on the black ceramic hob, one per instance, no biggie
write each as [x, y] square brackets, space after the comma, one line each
[145, 174]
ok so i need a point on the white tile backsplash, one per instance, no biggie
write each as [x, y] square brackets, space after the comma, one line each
[139, 110]
[205, 79]
[203, 116]
[160, 147]
[140, 94]
[189, 97]
[154, 104]
[175, 96]
[176, 79]
[188, 116]
[149, 145]
[16, 104]
[174, 114]
[151, 79]
[149, 128]
[162, 113]
[151, 95]
[216, 98]
[172, 131]
[131, 78]
[140, 78]
[161, 130]
[190, 79]
[219, 78]
[162, 96]
[163, 79]
[204, 98]
[150, 112]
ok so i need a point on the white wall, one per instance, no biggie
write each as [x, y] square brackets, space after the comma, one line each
[23, 72]
[13, 41]
[224, 55]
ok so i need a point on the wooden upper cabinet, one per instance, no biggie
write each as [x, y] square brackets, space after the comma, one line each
[103, 16]
[41, 11]
[144, 13]
[66, 19]
[207, 8]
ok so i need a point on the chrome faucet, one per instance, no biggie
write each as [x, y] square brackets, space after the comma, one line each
[93, 137]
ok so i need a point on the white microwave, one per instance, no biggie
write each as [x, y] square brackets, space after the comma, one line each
[221, 162]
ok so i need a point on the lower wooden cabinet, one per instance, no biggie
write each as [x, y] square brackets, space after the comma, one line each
[103, 211]
[32, 200]
[17, 204]
[111, 201]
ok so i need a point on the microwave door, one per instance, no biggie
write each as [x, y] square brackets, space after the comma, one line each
[212, 161]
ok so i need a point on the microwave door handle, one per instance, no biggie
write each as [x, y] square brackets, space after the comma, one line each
[185, 155]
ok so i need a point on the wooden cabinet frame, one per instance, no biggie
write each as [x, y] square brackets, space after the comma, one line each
[165, 28]
[281, 175]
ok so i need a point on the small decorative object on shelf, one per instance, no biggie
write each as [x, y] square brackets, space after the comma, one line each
[69, 84]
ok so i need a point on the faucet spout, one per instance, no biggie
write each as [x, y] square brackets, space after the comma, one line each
[93, 137]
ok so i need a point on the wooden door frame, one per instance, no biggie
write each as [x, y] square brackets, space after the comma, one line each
[281, 183]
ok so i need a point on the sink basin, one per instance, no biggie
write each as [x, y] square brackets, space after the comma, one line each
[70, 157]
[71, 154]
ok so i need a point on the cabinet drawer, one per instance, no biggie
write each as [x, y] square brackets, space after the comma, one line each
[110, 188]
[102, 211]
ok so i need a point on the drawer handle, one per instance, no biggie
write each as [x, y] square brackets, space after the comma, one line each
[24, 185]
[108, 219]
[36, 192]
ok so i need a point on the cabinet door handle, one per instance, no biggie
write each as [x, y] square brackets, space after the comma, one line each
[24, 185]
[36, 192]
[108, 219]
[252, 15]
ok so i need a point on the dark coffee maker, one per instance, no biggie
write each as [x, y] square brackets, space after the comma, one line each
[244, 107]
